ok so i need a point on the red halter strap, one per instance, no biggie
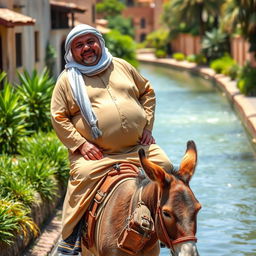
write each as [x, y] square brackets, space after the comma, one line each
[167, 239]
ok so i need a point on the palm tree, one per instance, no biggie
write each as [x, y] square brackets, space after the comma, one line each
[241, 15]
[195, 12]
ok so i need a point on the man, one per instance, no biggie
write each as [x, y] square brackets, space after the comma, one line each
[103, 111]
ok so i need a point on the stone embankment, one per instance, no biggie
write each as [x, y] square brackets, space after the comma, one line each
[244, 106]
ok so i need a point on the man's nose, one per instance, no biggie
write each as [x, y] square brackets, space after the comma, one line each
[86, 47]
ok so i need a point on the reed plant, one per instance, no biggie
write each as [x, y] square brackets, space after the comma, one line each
[13, 186]
[35, 92]
[47, 146]
[12, 115]
[14, 221]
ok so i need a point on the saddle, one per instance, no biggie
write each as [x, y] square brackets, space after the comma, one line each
[118, 173]
[140, 226]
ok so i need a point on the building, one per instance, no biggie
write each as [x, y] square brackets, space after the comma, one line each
[28, 27]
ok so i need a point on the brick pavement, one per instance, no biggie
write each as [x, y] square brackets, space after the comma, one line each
[44, 245]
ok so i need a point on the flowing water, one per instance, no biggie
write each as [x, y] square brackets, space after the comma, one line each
[189, 107]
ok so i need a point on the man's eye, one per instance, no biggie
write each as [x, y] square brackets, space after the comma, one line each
[79, 46]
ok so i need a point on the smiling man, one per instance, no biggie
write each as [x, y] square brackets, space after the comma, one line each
[103, 111]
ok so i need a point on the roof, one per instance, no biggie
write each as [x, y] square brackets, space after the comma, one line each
[67, 6]
[10, 18]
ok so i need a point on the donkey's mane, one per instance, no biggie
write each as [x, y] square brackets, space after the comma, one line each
[143, 179]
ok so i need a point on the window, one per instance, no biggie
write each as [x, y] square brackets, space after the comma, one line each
[142, 23]
[130, 3]
[142, 37]
[36, 46]
[59, 19]
[18, 46]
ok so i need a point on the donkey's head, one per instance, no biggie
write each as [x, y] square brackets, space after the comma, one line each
[177, 206]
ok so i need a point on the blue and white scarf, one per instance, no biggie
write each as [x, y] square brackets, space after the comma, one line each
[75, 71]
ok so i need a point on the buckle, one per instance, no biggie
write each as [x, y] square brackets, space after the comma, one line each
[99, 197]
[117, 167]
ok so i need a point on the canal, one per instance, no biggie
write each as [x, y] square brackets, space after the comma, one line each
[189, 107]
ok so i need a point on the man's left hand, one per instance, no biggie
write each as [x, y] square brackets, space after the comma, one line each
[147, 138]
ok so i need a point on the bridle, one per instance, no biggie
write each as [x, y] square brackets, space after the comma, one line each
[169, 242]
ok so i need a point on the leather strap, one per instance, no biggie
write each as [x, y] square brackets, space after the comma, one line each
[117, 173]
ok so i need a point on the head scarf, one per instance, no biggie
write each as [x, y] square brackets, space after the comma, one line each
[75, 71]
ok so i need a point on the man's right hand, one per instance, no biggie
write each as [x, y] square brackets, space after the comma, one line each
[90, 152]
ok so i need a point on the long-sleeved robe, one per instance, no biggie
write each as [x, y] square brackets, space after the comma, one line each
[124, 103]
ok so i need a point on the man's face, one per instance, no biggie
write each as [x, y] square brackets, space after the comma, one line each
[86, 50]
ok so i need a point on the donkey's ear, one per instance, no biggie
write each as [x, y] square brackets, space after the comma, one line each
[188, 163]
[153, 171]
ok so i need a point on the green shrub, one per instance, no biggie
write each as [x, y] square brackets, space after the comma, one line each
[39, 173]
[12, 115]
[215, 44]
[121, 24]
[196, 58]
[160, 53]
[157, 39]
[35, 92]
[13, 186]
[222, 65]
[121, 46]
[247, 80]
[14, 220]
[178, 56]
[232, 71]
[47, 146]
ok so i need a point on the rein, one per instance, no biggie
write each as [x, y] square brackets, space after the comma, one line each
[169, 242]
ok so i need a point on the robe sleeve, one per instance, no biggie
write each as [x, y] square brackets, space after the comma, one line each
[60, 116]
[146, 97]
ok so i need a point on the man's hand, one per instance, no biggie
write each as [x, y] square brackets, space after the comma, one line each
[90, 152]
[147, 138]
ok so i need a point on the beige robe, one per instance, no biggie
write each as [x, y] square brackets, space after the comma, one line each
[124, 103]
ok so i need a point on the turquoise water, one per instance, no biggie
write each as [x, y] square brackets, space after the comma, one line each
[189, 107]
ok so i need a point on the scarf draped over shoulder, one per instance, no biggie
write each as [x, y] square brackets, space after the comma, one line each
[75, 73]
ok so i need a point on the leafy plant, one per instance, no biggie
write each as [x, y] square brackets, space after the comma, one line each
[197, 58]
[121, 24]
[199, 15]
[158, 40]
[35, 93]
[109, 8]
[121, 46]
[247, 80]
[160, 53]
[39, 173]
[50, 58]
[222, 65]
[215, 44]
[178, 56]
[12, 115]
[13, 186]
[240, 16]
[47, 146]
[14, 220]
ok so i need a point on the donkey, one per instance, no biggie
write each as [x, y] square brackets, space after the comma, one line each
[172, 204]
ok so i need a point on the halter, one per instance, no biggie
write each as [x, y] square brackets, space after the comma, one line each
[170, 242]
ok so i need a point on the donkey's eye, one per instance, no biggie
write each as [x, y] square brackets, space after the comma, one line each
[167, 214]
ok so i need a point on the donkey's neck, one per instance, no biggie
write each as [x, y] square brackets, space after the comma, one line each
[150, 196]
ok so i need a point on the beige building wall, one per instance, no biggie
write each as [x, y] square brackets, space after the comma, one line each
[89, 17]
[40, 11]
[137, 13]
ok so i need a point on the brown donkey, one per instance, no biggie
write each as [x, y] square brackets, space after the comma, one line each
[171, 202]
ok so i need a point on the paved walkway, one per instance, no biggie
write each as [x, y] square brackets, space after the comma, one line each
[245, 107]
[45, 244]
